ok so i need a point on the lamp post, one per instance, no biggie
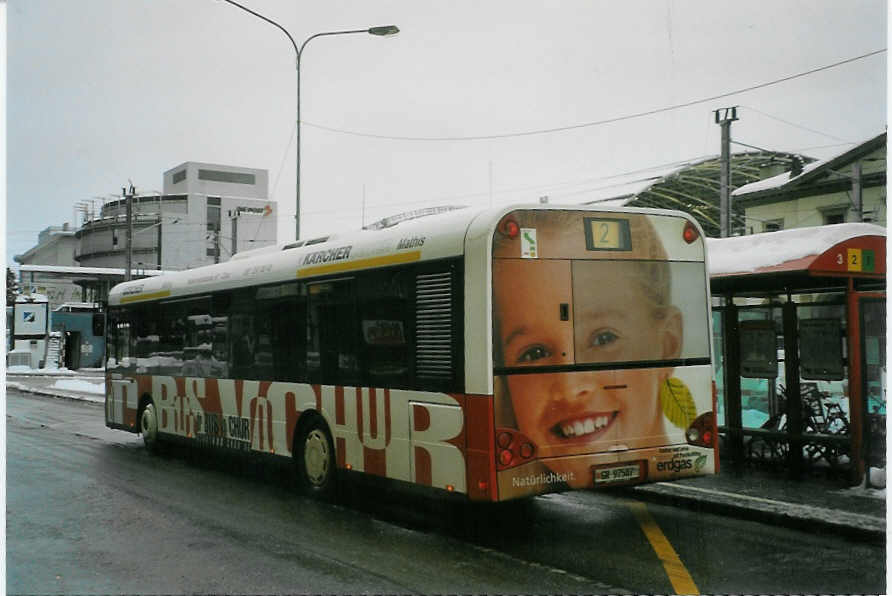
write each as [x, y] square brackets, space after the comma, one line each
[298, 52]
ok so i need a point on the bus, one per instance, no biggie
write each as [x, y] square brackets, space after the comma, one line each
[493, 353]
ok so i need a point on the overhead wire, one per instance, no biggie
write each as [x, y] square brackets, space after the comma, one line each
[596, 122]
[793, 124]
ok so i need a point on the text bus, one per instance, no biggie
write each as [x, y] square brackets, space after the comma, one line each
[498, 354]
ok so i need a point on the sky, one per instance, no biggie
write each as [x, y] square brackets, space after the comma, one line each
[472, 103]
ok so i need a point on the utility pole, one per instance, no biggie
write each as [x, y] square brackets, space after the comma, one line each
[857, 199]
[724, 117]
[128, 193]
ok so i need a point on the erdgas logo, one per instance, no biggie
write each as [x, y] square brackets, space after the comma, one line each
[676, 464]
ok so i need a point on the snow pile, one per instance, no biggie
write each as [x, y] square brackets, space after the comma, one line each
[776, 181]
[80, 386]
[27, 370]
[742, 254]
[878, 478]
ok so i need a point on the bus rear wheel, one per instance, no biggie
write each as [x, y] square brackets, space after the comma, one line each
[315, 460]
[148, 426]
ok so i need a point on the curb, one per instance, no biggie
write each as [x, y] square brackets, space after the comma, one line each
[57, 393]
[808, 518]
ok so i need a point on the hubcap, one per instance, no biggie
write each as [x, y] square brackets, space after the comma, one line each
[316, 457]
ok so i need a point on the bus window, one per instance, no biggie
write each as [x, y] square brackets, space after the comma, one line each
[281, 316]
[145, 334]
[385, 313]
[646, 313]
[332, 333]
[118, 350]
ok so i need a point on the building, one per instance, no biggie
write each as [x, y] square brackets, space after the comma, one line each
[205, 214]
[850, 187]
[56, 245]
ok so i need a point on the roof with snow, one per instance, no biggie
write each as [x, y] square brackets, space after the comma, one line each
[824, 171]
[692, 186]
[800, 258]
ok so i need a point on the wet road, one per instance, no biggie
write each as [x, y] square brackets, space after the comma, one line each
[89, 511]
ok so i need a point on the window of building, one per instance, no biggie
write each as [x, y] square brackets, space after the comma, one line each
[834, 218]
[212, 248]
[834, 215]
[178, 176]
[232, 177]
[773, 225]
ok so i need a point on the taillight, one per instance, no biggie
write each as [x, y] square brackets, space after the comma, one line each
[700, 432]
[509, 227]
[513, 448]
[690, 233]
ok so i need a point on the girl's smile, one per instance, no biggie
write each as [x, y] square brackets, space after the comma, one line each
[584, 428]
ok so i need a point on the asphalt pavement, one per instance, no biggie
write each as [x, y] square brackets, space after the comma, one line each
[814, 503]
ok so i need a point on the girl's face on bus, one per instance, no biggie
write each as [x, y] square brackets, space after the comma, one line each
[611, 321]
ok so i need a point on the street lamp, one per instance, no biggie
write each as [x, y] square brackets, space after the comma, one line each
[383, 30]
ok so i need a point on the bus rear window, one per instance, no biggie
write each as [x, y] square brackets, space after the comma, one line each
[633, 311]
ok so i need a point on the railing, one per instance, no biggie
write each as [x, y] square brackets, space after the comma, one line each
[825, 440]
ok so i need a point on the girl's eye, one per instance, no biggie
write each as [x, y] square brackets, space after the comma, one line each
[603, 338]
[534, 353]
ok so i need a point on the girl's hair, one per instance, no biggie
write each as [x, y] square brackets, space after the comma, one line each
[652, 273]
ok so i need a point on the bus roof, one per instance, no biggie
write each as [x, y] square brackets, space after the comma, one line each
[429, 238]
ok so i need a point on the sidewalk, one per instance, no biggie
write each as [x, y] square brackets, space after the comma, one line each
[84, 385]
[812, 504]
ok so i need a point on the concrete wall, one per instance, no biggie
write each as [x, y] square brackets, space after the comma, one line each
[196, 181]
[809, 211]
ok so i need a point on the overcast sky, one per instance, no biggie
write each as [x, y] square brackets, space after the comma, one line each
[102, 91]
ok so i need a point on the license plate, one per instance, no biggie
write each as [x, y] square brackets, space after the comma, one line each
[617, 474]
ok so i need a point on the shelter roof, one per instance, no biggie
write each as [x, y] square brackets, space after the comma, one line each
[692, 186]
[98, 272]
[797, 259]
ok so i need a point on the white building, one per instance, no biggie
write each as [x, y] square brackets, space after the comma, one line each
[205, 214]
[56, 246]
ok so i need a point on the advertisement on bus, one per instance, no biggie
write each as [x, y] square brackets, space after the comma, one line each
[601, 350]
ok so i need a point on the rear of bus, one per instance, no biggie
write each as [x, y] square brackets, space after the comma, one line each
[601, 350]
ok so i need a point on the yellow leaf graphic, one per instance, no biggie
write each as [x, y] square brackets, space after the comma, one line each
[678, 403]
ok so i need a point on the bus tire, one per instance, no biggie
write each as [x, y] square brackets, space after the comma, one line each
[315, 460]
[148, 426]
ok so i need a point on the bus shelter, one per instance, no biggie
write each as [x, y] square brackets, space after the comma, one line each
[799, 320]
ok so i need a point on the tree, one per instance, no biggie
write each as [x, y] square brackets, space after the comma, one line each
[12, 287]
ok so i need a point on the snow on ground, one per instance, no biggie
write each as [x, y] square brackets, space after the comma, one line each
[50, 372]
[27, 370]
[80, 385]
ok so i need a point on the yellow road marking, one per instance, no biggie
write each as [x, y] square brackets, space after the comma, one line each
[404, 257]
[681, 580]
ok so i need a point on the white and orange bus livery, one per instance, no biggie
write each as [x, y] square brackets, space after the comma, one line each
[497, 353]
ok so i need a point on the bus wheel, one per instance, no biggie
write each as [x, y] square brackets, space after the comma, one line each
[148, 426]
[316, 461]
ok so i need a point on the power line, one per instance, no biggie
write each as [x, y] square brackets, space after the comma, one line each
[284, 155]
[538, 188]
[597, 122]
[793, 124]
